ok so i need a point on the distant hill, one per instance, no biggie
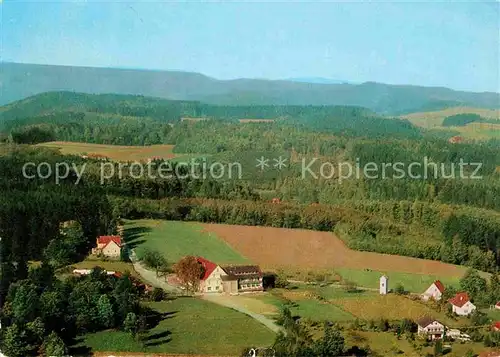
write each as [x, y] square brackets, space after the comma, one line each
[18, 81]
[318, 80]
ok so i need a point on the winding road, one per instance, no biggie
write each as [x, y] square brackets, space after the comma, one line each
[150, 277]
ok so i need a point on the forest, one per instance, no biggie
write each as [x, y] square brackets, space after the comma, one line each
[137, 120]
[444, 218]
[466, 118]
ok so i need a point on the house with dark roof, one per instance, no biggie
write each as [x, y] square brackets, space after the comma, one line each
[461, 304]
[430, 328]
[434, 292]
[229, 279]
[243, 278]
[109, 246]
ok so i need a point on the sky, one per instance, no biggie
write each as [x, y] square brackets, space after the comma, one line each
[450, 44]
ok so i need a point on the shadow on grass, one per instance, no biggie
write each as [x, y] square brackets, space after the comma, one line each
[158, 339]
[355, 292]
[154, 317]
[77, 349]
[132, 235]
[357, 351]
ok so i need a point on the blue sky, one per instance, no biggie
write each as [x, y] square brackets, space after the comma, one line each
[425, 43]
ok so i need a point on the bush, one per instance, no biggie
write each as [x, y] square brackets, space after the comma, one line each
[350, 286]
[281, 280]
[399, 289]
[157, 294]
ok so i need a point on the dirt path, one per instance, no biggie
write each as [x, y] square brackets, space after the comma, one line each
[233, 304]
[150, 276]
[299, 248]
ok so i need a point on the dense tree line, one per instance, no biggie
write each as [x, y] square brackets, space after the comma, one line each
[87, 127]
[403, 228]
[32, 211]
[466, 118]
[137, 120]
[42, 314]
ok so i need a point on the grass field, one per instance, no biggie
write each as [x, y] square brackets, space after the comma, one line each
[433, 119]
[306, 307]
[178, 239]
[114, 152]
[275, 248]
[193, 326]
[316, 310]
[493, 314]
[386, 344]
[391, 307]
[416, 283]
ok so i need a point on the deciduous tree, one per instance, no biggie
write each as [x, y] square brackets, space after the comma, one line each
[189, 273]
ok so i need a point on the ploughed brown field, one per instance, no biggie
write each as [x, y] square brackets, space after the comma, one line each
[113, 152]
[140, 354]
[299, 248]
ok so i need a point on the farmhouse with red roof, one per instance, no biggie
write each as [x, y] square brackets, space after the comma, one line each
[434, 292]
[497, 305]
[461, 304]
[230, 279]
[109, 246]
[496, 326]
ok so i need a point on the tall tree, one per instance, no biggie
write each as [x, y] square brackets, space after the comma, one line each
[189, 273]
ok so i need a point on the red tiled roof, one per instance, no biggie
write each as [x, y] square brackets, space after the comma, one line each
[439, 285]
[497, 304]
[496, 325]
[107, 239]
[460, 299]
[208, 266]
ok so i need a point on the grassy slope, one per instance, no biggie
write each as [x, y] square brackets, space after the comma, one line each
[415, 283]
[114, 152]
[434, 119]
[178, 239]
[193, 326]
[475, 131]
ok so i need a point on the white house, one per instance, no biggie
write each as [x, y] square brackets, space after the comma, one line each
[384, 285]
[229, 279]
[211, 282]
[435, 291]
[109, 246]
[430, 328]
[461, 304]
[497, 305]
